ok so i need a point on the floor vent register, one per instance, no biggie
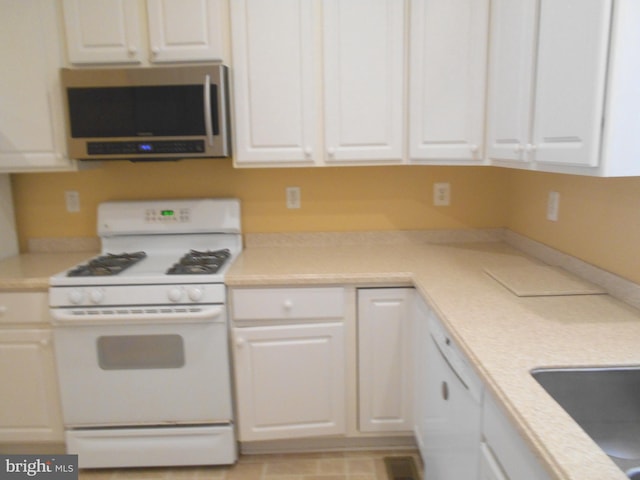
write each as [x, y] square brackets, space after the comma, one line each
[401, 468]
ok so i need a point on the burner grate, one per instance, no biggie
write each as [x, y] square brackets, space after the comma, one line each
[105, 265]
[200, 263]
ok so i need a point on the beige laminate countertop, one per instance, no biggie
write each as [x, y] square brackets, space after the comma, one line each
[505, 336]
[32, 271]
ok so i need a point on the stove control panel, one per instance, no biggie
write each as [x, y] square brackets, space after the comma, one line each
[130, 295]
[204, 215]
[167, 215]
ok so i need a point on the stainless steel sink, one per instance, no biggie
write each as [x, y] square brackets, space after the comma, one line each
[605, 402]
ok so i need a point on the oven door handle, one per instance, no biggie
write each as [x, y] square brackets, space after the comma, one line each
[132, 316]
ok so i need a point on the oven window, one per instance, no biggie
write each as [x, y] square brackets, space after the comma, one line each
[133, 352]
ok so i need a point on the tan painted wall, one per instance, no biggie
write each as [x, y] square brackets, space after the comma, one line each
[333, 199]
[599, 218]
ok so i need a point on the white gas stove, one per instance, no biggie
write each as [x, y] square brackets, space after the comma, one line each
[141, 336]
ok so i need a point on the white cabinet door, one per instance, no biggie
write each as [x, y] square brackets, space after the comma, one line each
[290, 381]
[548, 70]
[103, 31]
[570, 80]
[185, 30]
[31, 116]
[384, 359]
[109, 31]
[511, 71]
[30, 407]
[364, 79]
[291, 57]
[447, 80]
[275, 89]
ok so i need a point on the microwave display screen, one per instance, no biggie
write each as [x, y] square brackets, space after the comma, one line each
[150, 111]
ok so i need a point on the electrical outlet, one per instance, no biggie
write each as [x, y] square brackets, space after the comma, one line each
[553, 206]
[293, 197]
[441, 194]
[72, 200]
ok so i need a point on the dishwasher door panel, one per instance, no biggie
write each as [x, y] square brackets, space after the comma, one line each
[453, 418]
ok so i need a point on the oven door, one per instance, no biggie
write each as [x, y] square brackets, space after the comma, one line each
[137, 369]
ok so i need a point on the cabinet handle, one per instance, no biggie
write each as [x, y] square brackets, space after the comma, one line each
[287, 304]
[331, 152]
[241, 342]
[474, 148]
[307, 152]
[44, 342]
[445, 391]
[3, 309]
[132, 50]
[155, 51]
[530, 147]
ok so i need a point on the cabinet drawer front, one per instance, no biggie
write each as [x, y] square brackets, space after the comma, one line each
[285, 303]
[24, 307]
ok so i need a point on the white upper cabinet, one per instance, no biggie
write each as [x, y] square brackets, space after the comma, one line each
[31, 115]
[448, 64]
[109, 31]
[363, 79]
[103, 31]
[297, 60]
[512, 48]
[185, 30]
[573, 42]
[563, 93]
[275, 82]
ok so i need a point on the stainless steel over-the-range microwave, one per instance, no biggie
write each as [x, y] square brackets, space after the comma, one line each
[147, 113]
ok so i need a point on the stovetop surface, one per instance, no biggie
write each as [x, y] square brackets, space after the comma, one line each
[158, 234]
[161, 254]
[151, 270]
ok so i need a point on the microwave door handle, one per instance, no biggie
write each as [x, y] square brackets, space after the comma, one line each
[207, 109]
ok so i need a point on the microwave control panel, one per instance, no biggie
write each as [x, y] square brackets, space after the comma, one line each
[145, 147]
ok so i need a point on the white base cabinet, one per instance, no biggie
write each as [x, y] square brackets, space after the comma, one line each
[384, 359]
[289, 362]
[30, 410]
[290, 381]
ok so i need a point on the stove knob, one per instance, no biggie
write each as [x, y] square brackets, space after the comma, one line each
[76, 296]
[96, 295]
[175, 294]
[195, 294]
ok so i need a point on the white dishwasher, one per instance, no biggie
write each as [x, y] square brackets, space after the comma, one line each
[452, 430]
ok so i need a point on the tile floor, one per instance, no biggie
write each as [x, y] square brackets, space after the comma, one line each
[351, 465]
